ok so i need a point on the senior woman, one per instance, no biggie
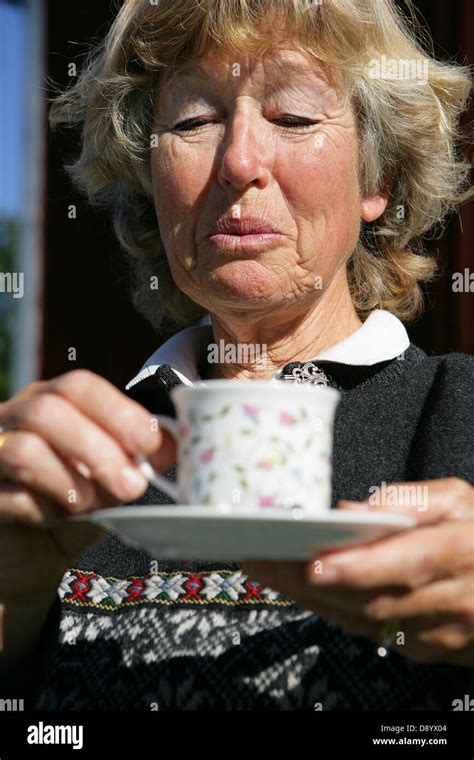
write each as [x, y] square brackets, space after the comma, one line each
[272, 180]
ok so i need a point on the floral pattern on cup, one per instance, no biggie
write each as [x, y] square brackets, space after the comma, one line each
[265, 456]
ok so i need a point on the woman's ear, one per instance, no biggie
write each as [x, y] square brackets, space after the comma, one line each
[373, 206]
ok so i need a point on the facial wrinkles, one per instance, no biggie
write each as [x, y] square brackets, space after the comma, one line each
[248, 145]
[248, 103]
[272, 89]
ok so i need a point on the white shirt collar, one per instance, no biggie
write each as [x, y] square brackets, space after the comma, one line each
[381, 337]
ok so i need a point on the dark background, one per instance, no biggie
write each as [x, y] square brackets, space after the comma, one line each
[85, 289]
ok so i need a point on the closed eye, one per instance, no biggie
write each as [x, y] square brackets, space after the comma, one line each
[288, 121]
[184, 126]
[295, 121]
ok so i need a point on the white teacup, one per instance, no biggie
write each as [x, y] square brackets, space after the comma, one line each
[251, 444]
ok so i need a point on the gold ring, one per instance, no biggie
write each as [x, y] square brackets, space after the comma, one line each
[387, 635]
[4, 435]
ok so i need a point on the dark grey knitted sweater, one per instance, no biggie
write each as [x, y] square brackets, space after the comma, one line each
[130, 633]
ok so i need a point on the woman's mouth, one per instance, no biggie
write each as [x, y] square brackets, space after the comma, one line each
[249, 233]
[251, 242]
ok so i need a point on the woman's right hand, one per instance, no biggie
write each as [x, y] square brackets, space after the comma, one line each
[71, 449]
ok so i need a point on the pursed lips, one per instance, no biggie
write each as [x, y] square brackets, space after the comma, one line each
[248, 225]
[245, 235]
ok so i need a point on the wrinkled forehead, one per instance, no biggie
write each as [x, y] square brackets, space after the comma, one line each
[269, 72]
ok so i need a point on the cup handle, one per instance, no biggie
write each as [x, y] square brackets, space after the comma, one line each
[153, 477]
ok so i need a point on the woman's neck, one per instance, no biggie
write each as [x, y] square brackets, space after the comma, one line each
[245, 349]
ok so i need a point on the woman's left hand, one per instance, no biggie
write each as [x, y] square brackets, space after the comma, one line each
[421, 579]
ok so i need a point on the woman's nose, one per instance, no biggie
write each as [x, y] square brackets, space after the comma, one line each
[246, 157]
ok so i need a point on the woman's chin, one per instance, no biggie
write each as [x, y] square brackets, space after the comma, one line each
[249, 284]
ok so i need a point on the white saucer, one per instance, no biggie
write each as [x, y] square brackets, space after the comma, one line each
[237, 533]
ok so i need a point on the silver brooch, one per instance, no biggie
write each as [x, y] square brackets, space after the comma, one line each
[307, 373]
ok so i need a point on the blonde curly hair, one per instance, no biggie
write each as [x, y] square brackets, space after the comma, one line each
[409, 129]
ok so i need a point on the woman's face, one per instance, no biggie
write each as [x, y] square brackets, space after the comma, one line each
[268, 137]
